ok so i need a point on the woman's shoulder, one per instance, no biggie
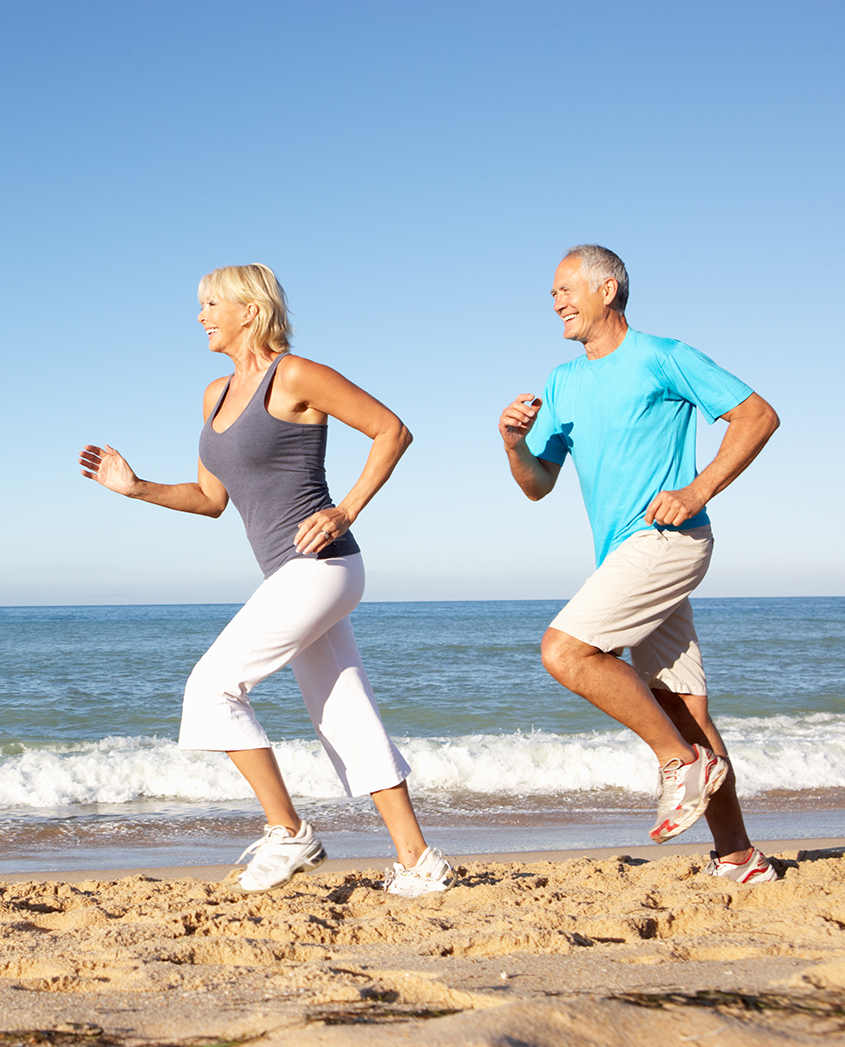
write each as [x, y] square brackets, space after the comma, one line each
[300, 372]
[296, 365]
[218, 385]
[212, 394]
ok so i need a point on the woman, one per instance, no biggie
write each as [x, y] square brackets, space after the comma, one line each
[263, 444]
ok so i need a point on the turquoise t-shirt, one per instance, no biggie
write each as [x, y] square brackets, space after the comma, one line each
[628, 420]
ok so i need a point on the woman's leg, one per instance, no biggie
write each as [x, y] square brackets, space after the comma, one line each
[261, 770]
[395, 807]
[300, 617]
[286, 613]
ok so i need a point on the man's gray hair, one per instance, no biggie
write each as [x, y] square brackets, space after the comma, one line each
[599, 264]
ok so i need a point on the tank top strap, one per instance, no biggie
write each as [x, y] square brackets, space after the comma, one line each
[259, 397]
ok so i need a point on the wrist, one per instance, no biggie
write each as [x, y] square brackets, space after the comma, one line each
[702, 491]
[517, 449]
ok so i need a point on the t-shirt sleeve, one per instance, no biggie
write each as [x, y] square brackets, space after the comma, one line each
[545, 439]
[696, 378]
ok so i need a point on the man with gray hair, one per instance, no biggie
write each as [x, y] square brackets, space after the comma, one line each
[625, 412]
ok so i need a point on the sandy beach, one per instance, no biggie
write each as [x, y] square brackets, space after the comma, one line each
[540, 949]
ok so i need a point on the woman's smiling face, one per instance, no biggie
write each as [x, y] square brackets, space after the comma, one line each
[225, 323]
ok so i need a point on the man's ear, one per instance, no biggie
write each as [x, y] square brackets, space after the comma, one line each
[609, 290]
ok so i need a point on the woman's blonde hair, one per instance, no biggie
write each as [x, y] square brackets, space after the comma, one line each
[253, 285]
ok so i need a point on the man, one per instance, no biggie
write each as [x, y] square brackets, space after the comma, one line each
[625, 412]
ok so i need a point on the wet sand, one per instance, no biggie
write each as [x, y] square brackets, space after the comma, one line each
[552, 948]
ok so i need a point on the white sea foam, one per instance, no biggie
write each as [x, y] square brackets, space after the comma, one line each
[806, 752]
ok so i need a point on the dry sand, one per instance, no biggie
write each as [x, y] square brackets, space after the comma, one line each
[604, 950]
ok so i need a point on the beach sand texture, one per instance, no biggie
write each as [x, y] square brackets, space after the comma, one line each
[587, 951]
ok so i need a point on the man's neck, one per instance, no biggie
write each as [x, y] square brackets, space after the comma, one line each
[608, 339]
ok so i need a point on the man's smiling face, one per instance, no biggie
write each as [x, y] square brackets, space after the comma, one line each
[583, 311]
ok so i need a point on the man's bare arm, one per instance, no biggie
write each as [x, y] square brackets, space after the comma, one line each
[750, 424]
[535, 476]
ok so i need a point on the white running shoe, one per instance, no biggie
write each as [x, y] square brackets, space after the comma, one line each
[278, 856]
[684, 790]
[431, 873]
[755, 869]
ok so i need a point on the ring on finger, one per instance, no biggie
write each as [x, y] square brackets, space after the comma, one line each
[327, 536]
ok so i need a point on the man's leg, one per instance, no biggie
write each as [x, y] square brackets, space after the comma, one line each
[614, 687]
[671, 657]
[690, 715]
[630, 596]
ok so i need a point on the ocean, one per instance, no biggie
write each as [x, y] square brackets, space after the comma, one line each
[503, 758]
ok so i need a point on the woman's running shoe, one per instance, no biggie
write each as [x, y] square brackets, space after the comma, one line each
[431, 873]
[278, 856]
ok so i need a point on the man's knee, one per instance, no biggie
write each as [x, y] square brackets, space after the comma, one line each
[563, 656]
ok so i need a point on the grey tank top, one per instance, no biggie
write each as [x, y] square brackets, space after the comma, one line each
[275, 474]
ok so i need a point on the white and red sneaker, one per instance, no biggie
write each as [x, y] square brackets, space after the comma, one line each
[755, 869]
[684, 790]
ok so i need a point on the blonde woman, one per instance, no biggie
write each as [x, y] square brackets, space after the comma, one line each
[263, 445]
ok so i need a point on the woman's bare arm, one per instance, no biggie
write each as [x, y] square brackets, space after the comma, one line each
[207, 497]
[325, 390]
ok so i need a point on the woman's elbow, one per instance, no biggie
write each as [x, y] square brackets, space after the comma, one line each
[214, 509]
[399, 435]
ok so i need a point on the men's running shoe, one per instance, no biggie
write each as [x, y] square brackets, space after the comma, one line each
[755, 869]
[684, 790]
[431, 873]
[278, 856]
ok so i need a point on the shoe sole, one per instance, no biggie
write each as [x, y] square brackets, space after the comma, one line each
[307, 865]
[719, 775]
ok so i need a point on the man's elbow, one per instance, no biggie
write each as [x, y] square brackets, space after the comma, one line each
[757, 413]
[769, 420]
[532, 489]
[534, 495]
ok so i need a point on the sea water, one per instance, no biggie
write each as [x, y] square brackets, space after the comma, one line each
[503, 758]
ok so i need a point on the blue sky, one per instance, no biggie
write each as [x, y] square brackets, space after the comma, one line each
[413, 172]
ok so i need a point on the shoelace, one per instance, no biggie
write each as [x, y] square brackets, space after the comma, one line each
[253, 847]
[667, 774]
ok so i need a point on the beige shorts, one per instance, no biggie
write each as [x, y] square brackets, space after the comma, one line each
[639, 599]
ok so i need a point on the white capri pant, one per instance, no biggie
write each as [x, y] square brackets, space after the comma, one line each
[299, 616]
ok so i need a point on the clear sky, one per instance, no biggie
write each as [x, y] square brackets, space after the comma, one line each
[413, 172]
